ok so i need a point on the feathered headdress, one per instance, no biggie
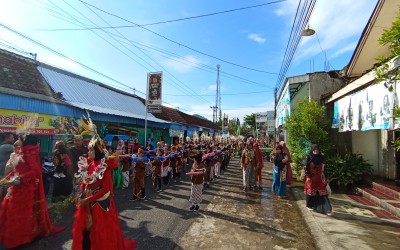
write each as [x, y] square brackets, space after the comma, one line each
[26, 125]
[96, 142]
[89, 128]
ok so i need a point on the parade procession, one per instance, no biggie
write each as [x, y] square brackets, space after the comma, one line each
[96, 224]
[199, 125]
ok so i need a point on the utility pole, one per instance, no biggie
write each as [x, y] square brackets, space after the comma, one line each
[218, 97]
[214, 108]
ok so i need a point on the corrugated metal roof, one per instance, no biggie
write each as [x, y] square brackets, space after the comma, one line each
[105, 110]
[91, 95]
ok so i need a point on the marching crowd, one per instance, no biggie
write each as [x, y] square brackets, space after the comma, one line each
[91, 173]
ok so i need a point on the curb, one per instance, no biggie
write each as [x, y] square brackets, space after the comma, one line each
[321, 238]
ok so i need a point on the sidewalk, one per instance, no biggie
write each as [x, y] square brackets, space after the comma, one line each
[257, 220]
[352, 225]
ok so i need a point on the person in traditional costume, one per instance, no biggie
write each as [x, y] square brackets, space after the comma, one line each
[196, 192]
[248, 162]
[289, 172]
[173, 161]
[157, 171]
[316, 181]
[207, 165]
[139, 166]
[279, 174]
[96, 225]
[24, 214]
[260, 165]
[166, 169]
[218, 163]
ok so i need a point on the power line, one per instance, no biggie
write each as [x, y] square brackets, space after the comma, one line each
[247, 93]
[300, 21]
[169, 21]
[180, 84]
[61, 55]
[180, 44]
[169, 55]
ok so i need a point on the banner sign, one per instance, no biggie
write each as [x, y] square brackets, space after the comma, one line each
[283, 108]
[45, 124]
[270, 122]
[261, 117]
[154, 92]
[364, 110]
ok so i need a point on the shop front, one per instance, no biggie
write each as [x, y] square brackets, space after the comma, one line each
[49, 128]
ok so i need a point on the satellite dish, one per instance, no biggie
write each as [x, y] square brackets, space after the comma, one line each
[308, 32]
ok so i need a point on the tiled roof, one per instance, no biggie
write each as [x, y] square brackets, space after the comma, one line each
[171, 115]
[198, 122]
[176, 116]
[20, 73]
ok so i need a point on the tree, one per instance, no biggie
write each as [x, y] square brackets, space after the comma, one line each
[307, 125]
[250, 121]
[232, 126]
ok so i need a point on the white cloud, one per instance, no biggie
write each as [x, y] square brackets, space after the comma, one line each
[349, 47]
[214, 88]
[287, 8]
[60, 62]
[232, 112]
[257, 38]
[182, 65]
[336, 29]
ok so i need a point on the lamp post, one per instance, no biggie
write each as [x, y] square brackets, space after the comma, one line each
[307, 32]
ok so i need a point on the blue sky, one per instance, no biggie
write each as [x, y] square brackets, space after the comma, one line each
[255, 38]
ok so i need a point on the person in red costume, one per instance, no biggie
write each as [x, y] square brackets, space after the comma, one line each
[24, 215]
[96, 224]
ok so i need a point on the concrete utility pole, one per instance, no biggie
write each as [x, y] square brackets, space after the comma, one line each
[214, 109]
[218, 97]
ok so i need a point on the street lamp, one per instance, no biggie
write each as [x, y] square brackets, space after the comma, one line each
[308, 32]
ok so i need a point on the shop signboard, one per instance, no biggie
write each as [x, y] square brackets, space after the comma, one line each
[45, 124]
[154, 92]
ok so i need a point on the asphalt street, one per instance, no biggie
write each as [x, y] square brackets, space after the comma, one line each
[229, 218]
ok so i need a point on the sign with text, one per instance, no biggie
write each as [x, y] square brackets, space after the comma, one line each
[154, 92]
[261, 117]
[45, 124]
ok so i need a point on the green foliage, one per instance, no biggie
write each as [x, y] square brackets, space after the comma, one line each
[232, 126]
[307, 125]
[250, 121]
[391, 38]
[348, 170]
[59, 207]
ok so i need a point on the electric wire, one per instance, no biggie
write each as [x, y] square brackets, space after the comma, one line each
[173, 55]
[299, 23]
[246, 93]
[168, 21]
[180, 44]
[180, 84]
[61, 55]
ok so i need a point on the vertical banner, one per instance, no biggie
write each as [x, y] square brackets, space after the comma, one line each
[225, 124]
[154, 92]
[283, 108]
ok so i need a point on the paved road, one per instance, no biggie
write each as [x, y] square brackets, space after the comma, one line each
[228, 218]
[158, 222]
